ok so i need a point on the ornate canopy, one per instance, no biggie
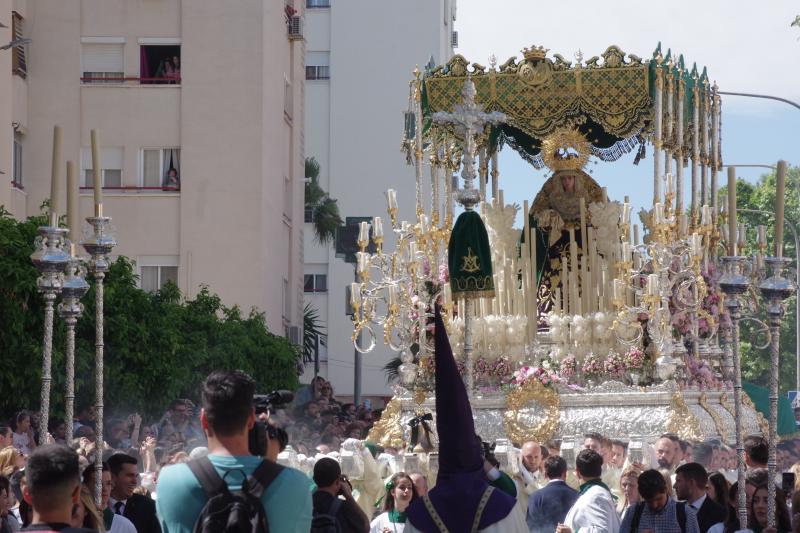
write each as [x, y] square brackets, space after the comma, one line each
[610, 98]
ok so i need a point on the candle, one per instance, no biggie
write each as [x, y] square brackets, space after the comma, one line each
[404, 226]
[619, 290]
[626, 251]
[636, 234]
[626, 213]
[423, 224]
[724, 204]
[705, 216]
[732, 222]
[448, 297]
[573, 274]
[780, 200]
[412, 251]
[97, 173]
[742, 235]
[658, 211]
[363, 232]
[696, 244]
[682, 224]
[363, 262]
[393, 294]
[762, 235]
[724, 232]
[391, 198]
[565, 284]
[652, 284]
[377, 228]
[55, 186]
[668, 178]
[355, 294]
[73, 218]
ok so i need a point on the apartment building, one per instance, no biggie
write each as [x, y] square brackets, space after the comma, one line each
[199, 109]
[360, 55]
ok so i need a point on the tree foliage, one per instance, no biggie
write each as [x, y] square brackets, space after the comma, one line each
[158, 346]
[761, 196]
[312, 332]
[325, 210]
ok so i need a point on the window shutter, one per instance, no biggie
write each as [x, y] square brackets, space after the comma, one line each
[101, 58]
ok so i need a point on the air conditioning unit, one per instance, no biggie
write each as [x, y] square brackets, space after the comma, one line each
[454, 39]
[295, 27]
[295, 335]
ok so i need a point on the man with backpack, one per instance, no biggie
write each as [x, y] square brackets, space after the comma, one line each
[331, 513]
[658, 512]
[229, 487]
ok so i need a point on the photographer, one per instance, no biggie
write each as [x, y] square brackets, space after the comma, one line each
[494, 476]
[328, 507]
[227, 417]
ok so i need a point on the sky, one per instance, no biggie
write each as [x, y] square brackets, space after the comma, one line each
[747, 47]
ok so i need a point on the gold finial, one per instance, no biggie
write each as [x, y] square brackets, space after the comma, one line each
[416, 72]
[534, 53]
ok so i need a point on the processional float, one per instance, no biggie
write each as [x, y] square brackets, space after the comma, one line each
[572, 324]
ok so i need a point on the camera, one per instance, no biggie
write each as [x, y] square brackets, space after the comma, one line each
[257, 439]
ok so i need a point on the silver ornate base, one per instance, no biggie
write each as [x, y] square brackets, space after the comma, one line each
[615, 410]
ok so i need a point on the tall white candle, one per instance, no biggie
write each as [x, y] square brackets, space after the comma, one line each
[652, 284]
[391, 198]
[377, 228]
[355, 294]
[98, 176]
[55, 179]
[363, 232]
[732, 222]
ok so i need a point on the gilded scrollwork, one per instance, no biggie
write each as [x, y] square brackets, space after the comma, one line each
[681, 421]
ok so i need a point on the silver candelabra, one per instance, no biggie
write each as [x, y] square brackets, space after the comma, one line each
[50, 258]
[98, 245]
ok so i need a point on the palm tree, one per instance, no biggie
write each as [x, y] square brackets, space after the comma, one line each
[324, 211]
[312, 330]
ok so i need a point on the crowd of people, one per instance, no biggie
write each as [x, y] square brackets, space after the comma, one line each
[151, 483]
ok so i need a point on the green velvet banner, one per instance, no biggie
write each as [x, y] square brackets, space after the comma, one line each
[469, 258]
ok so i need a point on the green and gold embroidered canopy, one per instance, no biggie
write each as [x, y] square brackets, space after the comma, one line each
[609, 98]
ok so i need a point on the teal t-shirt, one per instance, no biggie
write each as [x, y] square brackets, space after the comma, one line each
[287, 500]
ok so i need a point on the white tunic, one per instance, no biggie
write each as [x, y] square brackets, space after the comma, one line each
[382, 524]
[513, 523]
[593, 512]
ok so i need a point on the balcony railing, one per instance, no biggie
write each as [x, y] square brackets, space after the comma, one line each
[124, 79]
[136, 188]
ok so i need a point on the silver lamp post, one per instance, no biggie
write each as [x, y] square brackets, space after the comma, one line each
[50, 258]
[774, 289]
[70, 309]
[734, 283]
[99, 244]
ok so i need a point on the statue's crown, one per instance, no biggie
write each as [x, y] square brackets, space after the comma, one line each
[535, 53]
[566, 149]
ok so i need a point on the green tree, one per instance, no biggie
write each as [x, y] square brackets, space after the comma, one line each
[761, 197]
[324, 209]
[312, 330]
[158, 346]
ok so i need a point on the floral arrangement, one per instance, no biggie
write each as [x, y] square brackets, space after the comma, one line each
[500, 368]
[634, 358]
[614, 365]
[702, 374]
[546, 377]
[481, 368]
[593, 366]
[568, 367]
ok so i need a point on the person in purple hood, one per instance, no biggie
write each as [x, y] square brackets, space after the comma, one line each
[462, 500]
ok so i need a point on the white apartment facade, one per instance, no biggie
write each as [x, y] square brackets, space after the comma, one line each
[199, 109]
[360, 55]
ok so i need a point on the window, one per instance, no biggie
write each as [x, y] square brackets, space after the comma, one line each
[308, 214]
[315, 283]
[153, 278]
[101, 62]
[318, 66]
[161, 168]
[318, 3]
[19, 65]
[160, 64]
[16, 176]
[110, 160]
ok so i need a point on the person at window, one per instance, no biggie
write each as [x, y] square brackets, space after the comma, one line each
[172, 181]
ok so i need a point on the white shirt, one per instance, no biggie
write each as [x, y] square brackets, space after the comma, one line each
[698, 502]
[593, 512]
[112, 504]
[120, 524]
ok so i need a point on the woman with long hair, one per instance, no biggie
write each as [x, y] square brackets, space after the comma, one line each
[629, 485]
[85, 513]
[718, 489]
[759, 503]
[399, 493]
[11, 460]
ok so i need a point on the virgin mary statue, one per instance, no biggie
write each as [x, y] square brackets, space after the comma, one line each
[556, 210]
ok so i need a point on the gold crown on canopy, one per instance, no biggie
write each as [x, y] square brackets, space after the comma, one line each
[566, 149]
[534, 53]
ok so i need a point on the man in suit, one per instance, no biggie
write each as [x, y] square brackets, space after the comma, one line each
[548, 506]
[139, 509]
[690, 485]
